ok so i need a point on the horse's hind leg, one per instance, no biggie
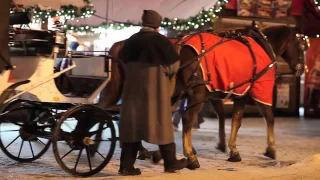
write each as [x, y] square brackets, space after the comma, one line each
[237, 113]
[267, 113]
[218, 108]
[143, 153]
[188, 120]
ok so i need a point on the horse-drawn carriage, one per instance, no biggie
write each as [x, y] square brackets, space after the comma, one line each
[80, 132]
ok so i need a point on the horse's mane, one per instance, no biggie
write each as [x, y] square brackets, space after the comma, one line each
[278, 34]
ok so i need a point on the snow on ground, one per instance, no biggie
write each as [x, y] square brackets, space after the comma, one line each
[297, 143]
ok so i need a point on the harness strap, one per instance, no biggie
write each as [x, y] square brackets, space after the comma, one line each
[266, 45]
[206, 61]
[206, 51]
[257, 76]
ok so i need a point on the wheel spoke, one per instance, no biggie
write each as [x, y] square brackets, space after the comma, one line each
[20, 148]
[12, 141]
[88, 156]
[75, 166]
[40, 141]
[67, 153]
[31, 149]
[99, 153]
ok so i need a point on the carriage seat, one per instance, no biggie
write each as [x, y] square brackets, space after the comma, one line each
[90, 72]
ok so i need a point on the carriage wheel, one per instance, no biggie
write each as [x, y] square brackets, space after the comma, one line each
[93, 136]
[17, 138]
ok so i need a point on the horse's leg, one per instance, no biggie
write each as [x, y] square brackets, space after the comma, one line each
[218, 108]
[267, 113]
[143, 153]
[188, 120]
[237, 113]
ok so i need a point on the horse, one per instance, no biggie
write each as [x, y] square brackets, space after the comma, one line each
[194, 82]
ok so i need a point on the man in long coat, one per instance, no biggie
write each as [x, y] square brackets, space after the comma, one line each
[150, 64]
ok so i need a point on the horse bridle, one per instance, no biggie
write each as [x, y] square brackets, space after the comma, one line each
[303, 46]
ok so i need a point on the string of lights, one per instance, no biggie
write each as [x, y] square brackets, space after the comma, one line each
[194, 22]
[68, 11]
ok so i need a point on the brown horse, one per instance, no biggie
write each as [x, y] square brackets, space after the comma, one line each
[286, 43]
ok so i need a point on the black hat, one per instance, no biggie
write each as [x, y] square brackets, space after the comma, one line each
[151, 18]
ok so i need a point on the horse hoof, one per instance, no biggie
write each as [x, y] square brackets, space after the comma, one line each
[234, 157]
[221, 148]
[156, 157]
[193, 165]
[270, 153]
[144, 154]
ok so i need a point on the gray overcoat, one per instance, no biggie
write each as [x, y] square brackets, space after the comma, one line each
[146, 103]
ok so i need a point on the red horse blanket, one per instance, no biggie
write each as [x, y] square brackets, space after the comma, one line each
[231, 63]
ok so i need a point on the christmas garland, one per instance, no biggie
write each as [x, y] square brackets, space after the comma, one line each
[194, 22]
[68, 11]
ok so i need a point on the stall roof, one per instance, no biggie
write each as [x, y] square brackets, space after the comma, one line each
[131, 10]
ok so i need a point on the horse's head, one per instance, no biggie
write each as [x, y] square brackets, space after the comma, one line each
[290, 44]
